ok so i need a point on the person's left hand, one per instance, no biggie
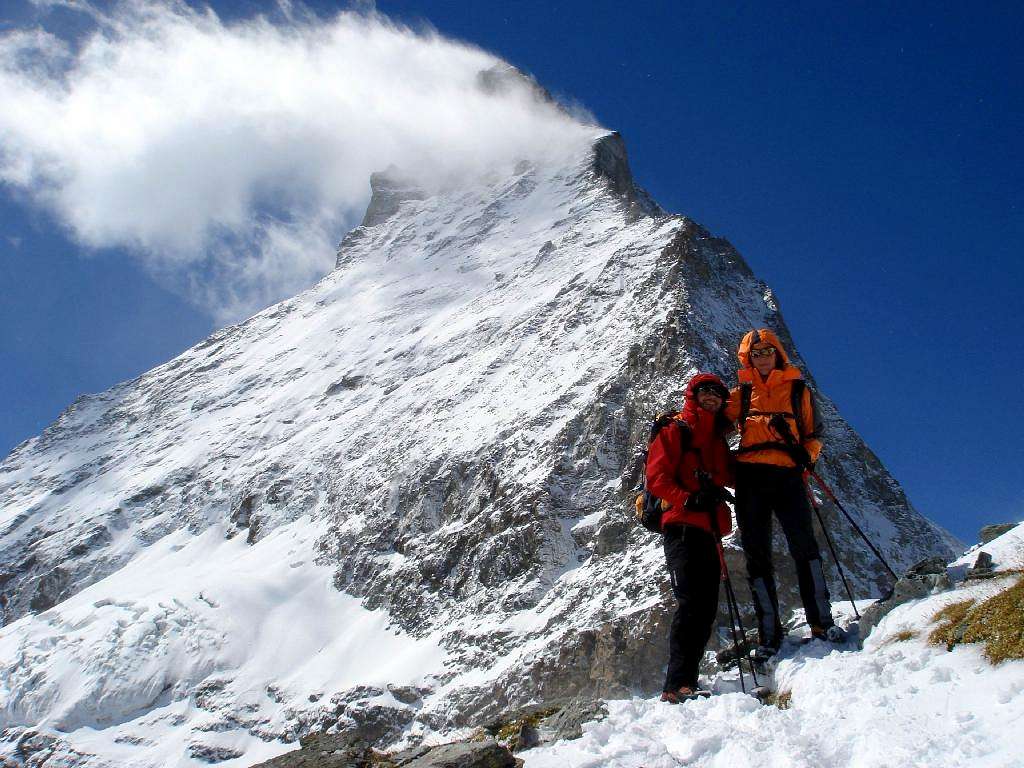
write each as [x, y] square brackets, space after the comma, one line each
[703, 500]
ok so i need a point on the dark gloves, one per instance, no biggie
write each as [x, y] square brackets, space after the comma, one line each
[704, 500]
[800, 455]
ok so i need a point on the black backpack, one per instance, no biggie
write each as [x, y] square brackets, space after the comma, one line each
[648, 506]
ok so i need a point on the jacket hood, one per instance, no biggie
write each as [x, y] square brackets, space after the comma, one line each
[705, 378]
[704, 423]
[761, 336]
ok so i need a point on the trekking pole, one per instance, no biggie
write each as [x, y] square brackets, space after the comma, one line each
[832, 549]
[730, 595]
[734, 616]
[782, 426]
[832, 497]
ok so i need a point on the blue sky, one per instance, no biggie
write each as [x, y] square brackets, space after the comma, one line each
[866, 163]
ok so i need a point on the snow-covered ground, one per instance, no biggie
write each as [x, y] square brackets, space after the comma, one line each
[261, 627]
[899, 702]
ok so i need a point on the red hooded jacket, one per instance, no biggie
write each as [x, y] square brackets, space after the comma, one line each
[672, 473]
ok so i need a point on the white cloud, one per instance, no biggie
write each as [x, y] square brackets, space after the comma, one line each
[231, 157]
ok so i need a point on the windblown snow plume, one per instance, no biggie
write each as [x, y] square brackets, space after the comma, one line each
[231, 156]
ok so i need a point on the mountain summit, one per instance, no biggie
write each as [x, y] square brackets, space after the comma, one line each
[397, 500]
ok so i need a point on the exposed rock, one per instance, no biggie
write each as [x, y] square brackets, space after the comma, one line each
[611, 162]
[503, 78]
[924, 578]
[994, 531]
[34, 749]
[356, 693]
[345, 383]
[930, 566]
[206, 753]
[389, 189]
[407, 694]
[613, 536]
[327, 751]
[346, 750]
[567, 722]
[51, 588]
[466, 754]
[376, 724]
[983, 567]
[406, 756]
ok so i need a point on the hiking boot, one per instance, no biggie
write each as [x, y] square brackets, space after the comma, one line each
[833, 634]
[670, 697]
[686, 693]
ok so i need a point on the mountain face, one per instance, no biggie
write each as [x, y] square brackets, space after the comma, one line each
[399, 500]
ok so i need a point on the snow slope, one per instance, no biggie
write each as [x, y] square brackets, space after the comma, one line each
[1007, 551]
[898, 702]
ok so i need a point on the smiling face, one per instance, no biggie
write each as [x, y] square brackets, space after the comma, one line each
[762, 357]
[709, 400]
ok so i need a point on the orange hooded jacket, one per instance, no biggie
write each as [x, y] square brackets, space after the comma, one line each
[769, 397]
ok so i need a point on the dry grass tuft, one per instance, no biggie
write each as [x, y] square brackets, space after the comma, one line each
[998, 622]
[949, 620]
[903, 635]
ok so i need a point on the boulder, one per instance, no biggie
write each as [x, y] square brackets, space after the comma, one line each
[539, 724]
[466, 754]
[922, 579]
[994, 531]
[983, 567]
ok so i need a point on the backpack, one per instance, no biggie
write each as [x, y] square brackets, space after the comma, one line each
[648, 506]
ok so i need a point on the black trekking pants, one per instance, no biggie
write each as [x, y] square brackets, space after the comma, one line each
[761, 490]
[692, 558]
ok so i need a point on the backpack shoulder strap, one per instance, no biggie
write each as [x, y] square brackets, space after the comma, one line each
[685, 436]
[661, 421]
[817, 427]
[796, 393]
[799, 387]
[746, 390]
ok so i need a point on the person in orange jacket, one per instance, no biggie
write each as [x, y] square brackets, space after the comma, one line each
[688, 464]
[775, 414]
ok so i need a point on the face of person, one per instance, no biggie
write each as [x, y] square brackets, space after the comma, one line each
[763, 357]
[709, 400]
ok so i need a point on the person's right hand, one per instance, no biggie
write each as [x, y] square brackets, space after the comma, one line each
[800, 455]
[704, 500]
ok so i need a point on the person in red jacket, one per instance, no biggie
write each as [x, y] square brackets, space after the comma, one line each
[690, 447]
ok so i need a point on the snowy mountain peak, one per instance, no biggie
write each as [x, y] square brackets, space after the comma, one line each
[411, 477]
[611, 161]
[503, 78]
[389, 188]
